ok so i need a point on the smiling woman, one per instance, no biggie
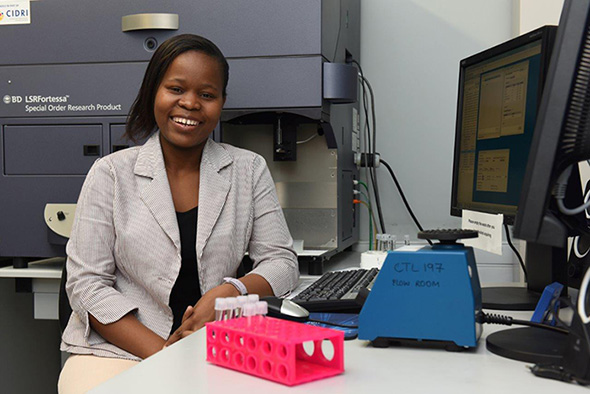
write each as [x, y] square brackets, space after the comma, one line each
[161, 229]
[189, 101]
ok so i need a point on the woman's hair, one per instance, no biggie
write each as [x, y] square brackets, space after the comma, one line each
[141, 121]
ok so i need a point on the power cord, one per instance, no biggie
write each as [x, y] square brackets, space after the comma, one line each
[508, 321]
[406, 203]
[331, 324]
[508, 238]
[556, 372]
[370, 145]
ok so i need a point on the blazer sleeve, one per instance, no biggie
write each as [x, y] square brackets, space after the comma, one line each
[91, 262]
[271, 245]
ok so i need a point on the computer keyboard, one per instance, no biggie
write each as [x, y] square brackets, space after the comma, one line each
[337, 291]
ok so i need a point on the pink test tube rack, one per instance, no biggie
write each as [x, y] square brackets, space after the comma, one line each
[273, 349]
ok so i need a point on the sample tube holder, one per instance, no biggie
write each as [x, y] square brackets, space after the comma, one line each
[273, 349]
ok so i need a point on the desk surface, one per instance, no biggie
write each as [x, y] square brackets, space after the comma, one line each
[41, 269]
[182, 368]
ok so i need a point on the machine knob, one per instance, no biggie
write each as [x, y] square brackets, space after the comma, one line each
[61, 216]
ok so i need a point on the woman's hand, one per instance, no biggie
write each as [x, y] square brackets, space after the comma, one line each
[203, 312]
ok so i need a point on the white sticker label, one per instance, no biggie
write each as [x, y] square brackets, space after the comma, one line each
[15, 12]
[489, 228]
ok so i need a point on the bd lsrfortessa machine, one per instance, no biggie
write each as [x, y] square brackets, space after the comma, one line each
[72, 73]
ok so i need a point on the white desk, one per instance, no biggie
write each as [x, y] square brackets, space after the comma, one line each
[182, 368]
[45, 276]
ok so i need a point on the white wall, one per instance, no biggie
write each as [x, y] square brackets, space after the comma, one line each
[410, 52]
[530, 14]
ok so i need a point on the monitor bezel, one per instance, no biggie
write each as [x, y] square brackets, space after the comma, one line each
[546, 35]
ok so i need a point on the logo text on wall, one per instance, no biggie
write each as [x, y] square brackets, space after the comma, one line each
[15, 12]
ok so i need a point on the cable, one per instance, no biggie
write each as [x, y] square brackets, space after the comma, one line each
[399, 188]
[339, 27]
[370, 209]
[582, 298]
[508, 321]
[559, 191]
[515, 252]
[556, 372]
[307, 140]
[371, 171]
[371, 224]
[365, 185]
[331, 324]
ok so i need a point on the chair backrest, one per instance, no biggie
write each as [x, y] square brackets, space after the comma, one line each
[64, 308]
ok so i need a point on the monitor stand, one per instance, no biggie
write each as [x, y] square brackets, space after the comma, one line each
[545, 265]
[509, 298]
[529, 344]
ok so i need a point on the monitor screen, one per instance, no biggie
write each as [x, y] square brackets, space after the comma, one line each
[499, 93]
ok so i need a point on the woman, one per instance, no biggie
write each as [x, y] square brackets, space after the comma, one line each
[158, 225]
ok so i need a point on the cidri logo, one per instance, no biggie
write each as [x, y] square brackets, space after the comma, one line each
[1, 15]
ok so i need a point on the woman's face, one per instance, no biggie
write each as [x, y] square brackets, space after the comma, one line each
[189, 100]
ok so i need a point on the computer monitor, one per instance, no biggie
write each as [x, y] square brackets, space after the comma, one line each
[561, 140]
[499, 94]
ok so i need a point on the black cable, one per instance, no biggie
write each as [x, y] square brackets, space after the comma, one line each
[370, 146]
[508, 321]
[372, 169]
[556, 372]
[331, 324]
[399, 188]
[515, 252]
[339, 27]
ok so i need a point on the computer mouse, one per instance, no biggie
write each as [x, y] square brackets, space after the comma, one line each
[285, 309]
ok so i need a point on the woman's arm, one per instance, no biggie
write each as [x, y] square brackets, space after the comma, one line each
[204, 311]
[130, 335]
[92, 271]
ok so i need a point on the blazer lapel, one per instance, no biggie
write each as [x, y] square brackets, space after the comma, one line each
[155, 189]
[214, 187]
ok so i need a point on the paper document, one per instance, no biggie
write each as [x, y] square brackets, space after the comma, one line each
[489, 228]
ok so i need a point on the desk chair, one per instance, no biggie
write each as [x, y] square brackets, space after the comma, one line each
[64, 309]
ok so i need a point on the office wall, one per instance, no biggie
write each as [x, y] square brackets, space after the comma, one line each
[530, 14]
[410, 52]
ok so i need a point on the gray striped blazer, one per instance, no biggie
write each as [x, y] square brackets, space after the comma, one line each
[124, 250]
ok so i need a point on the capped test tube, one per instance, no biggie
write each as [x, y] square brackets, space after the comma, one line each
[381, 244]
[261, 308]
[252, 298]
[232, 306]
[242, 300]
[220, 307]
[249, 311]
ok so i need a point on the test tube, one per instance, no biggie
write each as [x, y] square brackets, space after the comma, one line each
[232, 306]
[249, 311]
[252, 298]
[261, 308]
[242, 300]
[406, 239]
[220, 306]
[380, 242]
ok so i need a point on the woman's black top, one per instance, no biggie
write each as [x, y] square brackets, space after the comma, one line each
[186, 290]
